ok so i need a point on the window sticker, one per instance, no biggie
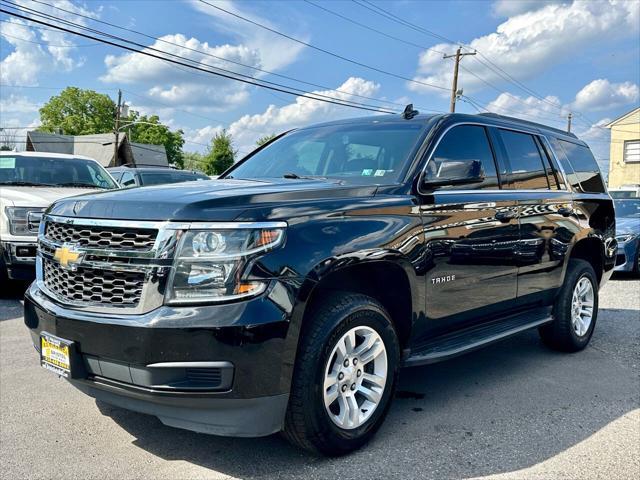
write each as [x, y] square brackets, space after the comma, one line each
[380, 173]
[8, 162]
[367, 172]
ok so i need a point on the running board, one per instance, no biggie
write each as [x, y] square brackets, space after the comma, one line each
[453, 344]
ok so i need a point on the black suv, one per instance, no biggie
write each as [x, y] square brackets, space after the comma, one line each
[128, 177]
[287, 294]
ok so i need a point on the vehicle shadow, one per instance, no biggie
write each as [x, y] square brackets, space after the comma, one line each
[497, 410]
[10, 295]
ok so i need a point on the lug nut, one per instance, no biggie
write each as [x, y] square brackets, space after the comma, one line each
[353, 386]
[359, 373]
[355, 361]
[344, 388]
[346, 362]
[340, 376]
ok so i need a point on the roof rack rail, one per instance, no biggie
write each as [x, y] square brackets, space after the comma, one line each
[527, 122]
[136, 165]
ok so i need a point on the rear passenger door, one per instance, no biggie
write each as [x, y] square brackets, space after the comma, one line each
[471, 231]
[546, 214]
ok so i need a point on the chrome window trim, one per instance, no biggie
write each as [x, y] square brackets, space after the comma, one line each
[488, 125]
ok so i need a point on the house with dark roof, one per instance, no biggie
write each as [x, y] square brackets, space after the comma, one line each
[99, 147]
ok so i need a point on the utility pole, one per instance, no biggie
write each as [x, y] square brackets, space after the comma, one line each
[569, 117]
[117, 129]
[454, 88]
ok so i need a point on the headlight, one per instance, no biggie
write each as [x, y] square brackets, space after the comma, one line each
[624, 238]
[210, 264]
[24, 221]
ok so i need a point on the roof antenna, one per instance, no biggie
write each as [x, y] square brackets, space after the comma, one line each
[409, 112]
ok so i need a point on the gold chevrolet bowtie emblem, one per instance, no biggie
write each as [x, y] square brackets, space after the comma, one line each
[65, 256]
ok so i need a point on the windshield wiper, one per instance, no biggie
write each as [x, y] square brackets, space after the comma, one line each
[20, 183]
[306, 177]
[78, 184]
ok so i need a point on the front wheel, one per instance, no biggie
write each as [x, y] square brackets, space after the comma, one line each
[575, 310]
[345, 375]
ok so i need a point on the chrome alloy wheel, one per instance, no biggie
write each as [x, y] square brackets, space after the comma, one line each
[355, 377]
[582, 306]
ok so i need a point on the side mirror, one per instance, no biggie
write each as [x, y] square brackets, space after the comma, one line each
[456, 172]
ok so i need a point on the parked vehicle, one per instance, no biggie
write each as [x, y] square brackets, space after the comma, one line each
[128, 177]
[628, 234]
[287, 294]
[29, 182]
[626, 191]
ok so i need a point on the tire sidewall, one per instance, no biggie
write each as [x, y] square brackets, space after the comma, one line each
[371, 316]
[584, 270]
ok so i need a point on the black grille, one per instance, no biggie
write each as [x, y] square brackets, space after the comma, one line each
[209, 377]
[109, 238]
[86, 285]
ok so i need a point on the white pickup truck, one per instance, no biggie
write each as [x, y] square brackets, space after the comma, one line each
[29, 183]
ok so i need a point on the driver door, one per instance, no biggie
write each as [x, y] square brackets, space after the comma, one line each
[471, 231]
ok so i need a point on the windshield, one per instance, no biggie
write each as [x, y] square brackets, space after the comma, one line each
[353, 153]
[53, 172]
[158, 178]
[628, 208]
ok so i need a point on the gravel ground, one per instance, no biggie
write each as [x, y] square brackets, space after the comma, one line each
[512, 411]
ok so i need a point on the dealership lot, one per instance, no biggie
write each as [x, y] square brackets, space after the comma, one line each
[515, 410]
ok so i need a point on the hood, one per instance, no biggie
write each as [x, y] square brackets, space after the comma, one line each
[221, 200]
[626, 225]
[38, 196]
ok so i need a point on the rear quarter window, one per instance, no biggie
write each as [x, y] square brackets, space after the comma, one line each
[584, 173]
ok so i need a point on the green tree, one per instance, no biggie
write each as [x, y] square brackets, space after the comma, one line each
[221, 154]
[150, 130]
[78, 112]
[267, 138]
[193, 161]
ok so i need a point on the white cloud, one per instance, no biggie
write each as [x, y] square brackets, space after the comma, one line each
[179, 85]
[548, 111]
[276, 52]
[529, 43]
[54, 50]
[303, 111]
[509, 8]
[17, 104]
[602, 94]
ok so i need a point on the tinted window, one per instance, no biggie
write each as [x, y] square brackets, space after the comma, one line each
[527, 169]
[555, 180]
[586, 176]
[464, 145]
[372, 153]
[159, 178]
[128, 180]
[53, 171]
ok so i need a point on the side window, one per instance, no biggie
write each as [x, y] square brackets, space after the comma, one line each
[586, 175]
[128, 180]
[555, 180]
[527, 170]
[464, 152]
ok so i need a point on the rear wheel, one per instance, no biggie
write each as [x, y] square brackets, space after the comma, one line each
[575, 310]
[344, 377]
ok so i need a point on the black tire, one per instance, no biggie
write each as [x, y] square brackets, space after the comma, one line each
[307, 423]
[560, 334]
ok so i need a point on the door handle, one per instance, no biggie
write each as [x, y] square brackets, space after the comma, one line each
[506, 215]
[565, 211]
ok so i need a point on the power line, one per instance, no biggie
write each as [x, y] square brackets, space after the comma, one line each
[158, 39]
[229, 75]
[44, 44]
[367, 27]
[333, 54]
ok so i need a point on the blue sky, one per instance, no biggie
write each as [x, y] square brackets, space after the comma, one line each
[553, 57]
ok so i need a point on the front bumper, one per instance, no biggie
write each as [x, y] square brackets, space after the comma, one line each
[627, 255]
[222, 369]
[19, 259]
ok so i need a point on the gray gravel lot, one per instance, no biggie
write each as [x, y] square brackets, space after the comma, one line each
[513, 411]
